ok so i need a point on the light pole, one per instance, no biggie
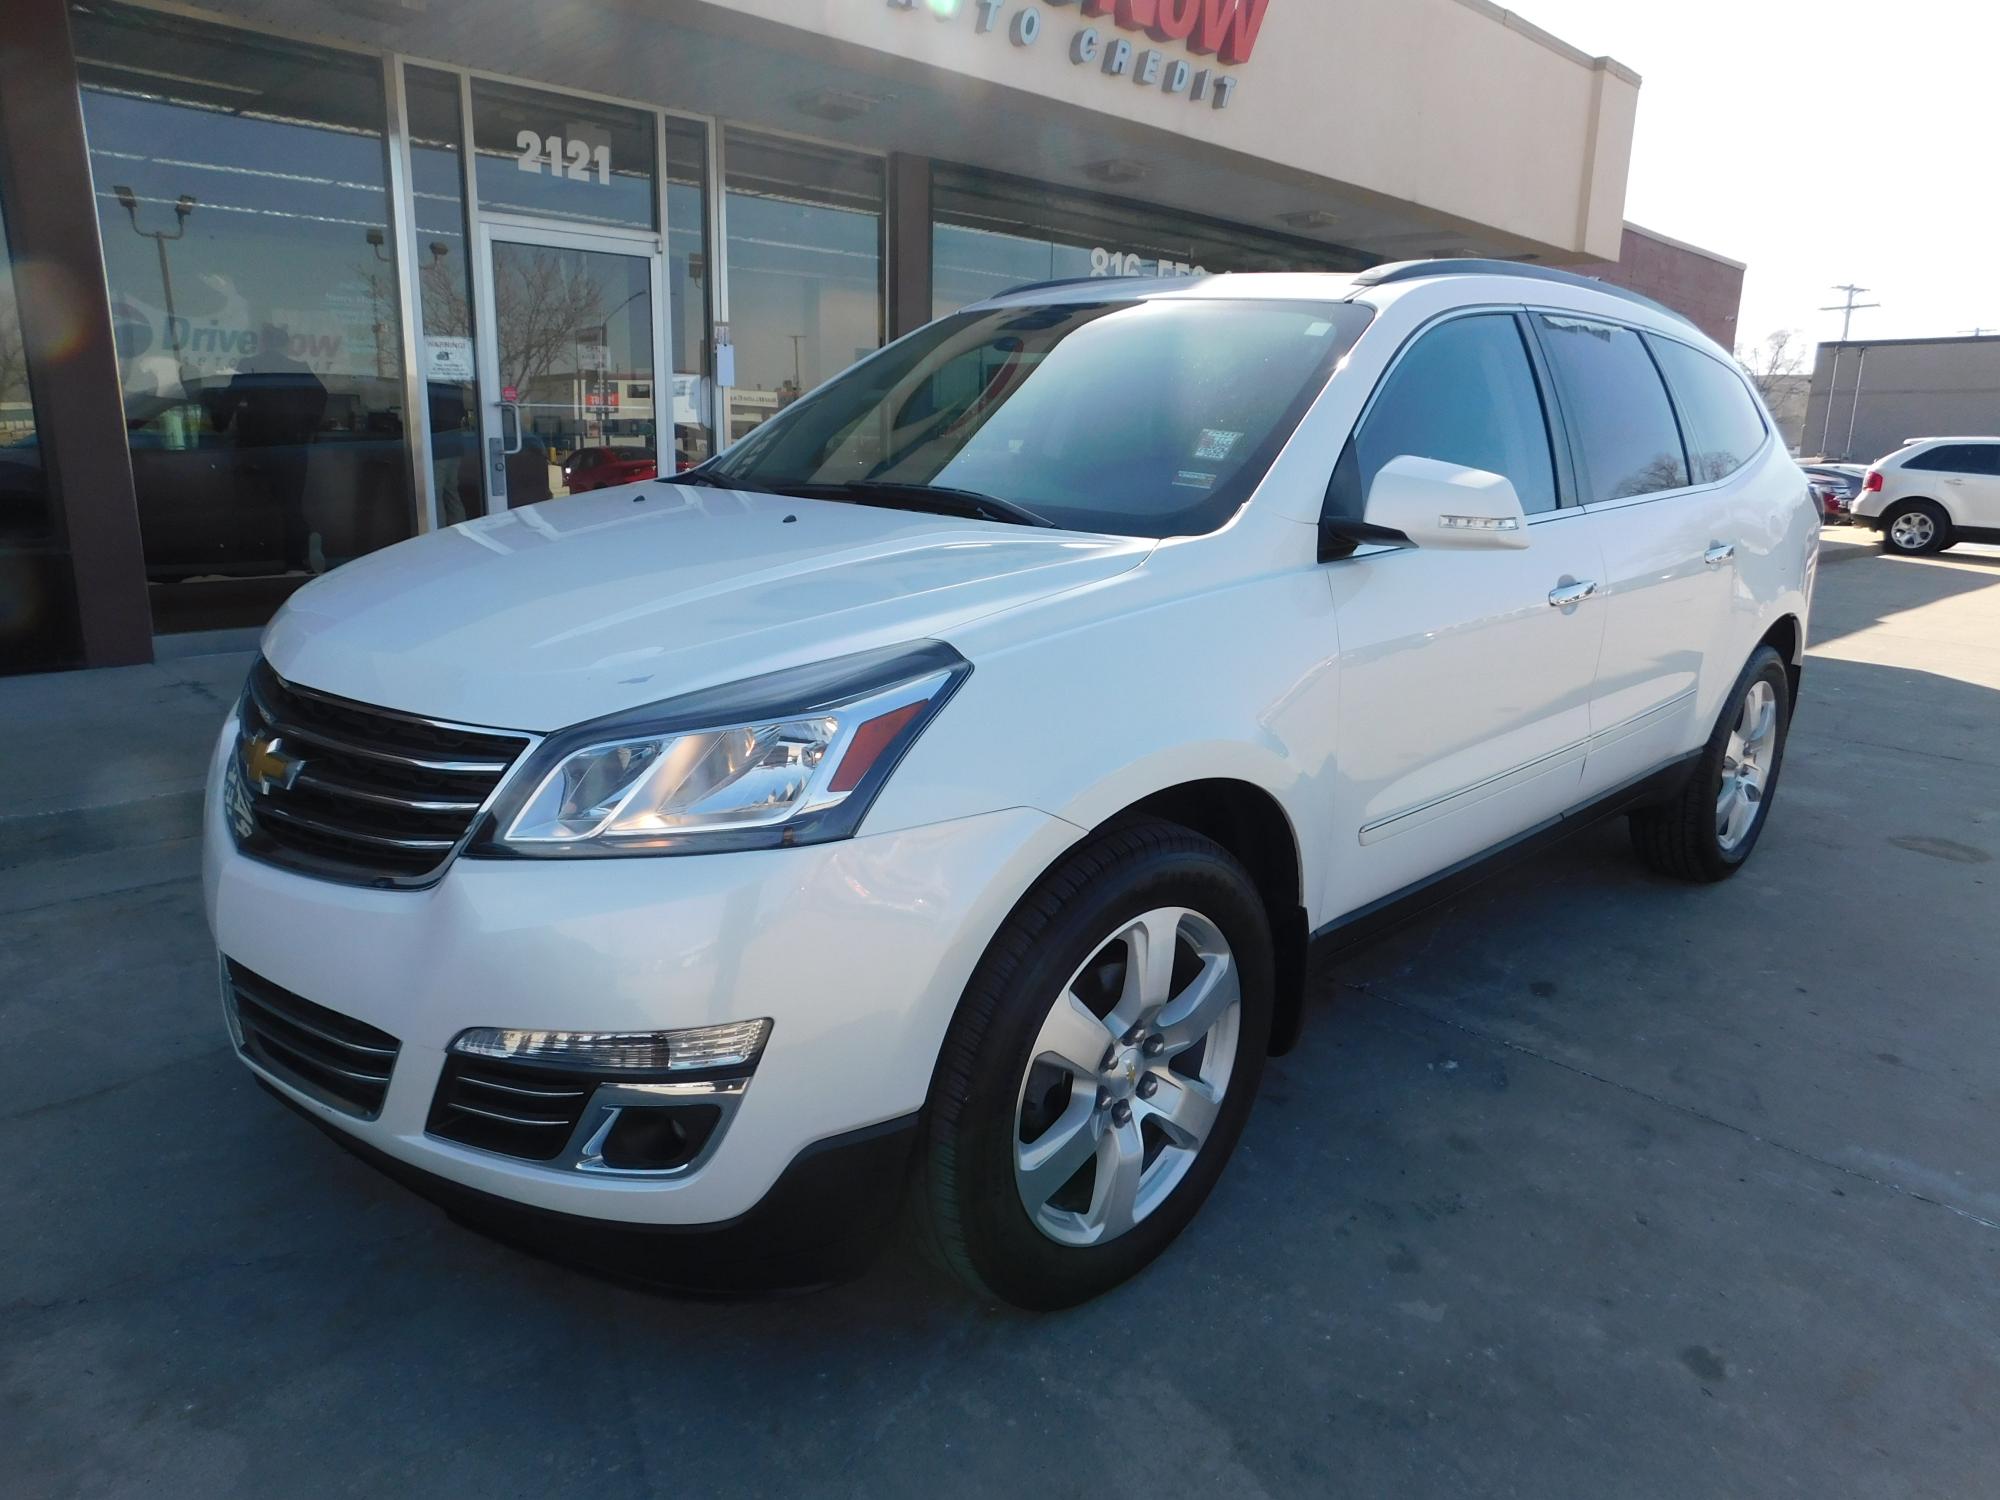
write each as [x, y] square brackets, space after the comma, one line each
[183, 206]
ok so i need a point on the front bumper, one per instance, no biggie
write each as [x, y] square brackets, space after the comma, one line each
[857, 951]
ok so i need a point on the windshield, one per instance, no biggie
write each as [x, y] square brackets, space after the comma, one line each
[1141, 418]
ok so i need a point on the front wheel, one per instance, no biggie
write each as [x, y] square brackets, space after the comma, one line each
[1099, 1069]
[1706, 831]
[1916, 527]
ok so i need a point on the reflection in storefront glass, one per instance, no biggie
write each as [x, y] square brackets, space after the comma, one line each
[444, 292]
[688, 281]
[243, 206]
[37, 591]
[576, 359]
[990, 234]
[805, 269]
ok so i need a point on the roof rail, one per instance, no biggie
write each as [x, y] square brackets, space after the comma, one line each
[1063, 281]
[1417, 270]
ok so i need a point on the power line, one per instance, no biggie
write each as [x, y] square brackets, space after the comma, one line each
[1850, 307]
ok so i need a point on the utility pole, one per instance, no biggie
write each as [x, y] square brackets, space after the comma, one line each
[1850, 307]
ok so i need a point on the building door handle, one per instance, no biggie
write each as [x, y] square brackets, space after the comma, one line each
[510, 427]
[1719, 554]
[1569, 595]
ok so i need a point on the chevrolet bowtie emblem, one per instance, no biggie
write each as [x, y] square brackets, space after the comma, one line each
[267, 765]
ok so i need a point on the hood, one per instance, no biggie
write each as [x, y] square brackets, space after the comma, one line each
[560, 612]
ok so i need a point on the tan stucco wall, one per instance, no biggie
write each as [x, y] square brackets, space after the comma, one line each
[1453, 105]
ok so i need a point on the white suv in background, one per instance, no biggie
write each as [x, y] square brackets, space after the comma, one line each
[1933, 493]
[947, 787]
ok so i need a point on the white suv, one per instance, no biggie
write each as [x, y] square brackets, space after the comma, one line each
[949, 785]
[1933, 493]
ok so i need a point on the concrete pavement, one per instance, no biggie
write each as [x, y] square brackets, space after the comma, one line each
[1590, 1184]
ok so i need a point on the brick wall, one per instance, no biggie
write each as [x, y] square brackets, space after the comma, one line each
[1705, 288]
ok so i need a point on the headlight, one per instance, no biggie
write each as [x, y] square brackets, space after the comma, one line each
[791, 758]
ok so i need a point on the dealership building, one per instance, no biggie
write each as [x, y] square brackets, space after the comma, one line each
[289, 280]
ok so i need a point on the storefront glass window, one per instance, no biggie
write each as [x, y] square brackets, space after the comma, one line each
[557, 157]
[805, 268]
[688, 281]
[37, 592]
[243, 204]
[992, 233]
[444, 291]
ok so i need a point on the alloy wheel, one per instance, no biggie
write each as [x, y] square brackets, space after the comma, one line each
[1127, 1077]
[1913, 530]
[1746, 765]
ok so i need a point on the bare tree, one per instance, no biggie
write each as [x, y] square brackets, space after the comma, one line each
[1775, 365]
[544, 302]
[446, 312]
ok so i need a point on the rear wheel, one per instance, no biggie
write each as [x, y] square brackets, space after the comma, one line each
[1707, 830]
[1916, 526]
[1099, 1069]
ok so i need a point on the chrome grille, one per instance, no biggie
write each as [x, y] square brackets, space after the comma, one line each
[349, 792]
[336, 1059]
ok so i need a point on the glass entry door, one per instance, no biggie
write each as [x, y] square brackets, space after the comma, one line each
[573, 372]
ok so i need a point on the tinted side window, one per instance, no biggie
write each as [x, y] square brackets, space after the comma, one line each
[1464, 394]
[1959, 458]
[1724, 426]
[1626, 435]
[1936, 459]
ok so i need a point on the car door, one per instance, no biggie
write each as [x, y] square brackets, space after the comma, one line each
[1465, 675]
[1667, 546]
[1974, 491]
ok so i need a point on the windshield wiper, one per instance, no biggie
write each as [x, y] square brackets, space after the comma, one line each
[713, 481]
[937, 498]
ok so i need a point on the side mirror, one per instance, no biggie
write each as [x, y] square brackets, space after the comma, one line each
[1432, 504]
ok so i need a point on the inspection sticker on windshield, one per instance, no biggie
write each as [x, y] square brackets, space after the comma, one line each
[1215, 445]
[1194, 479]
[1318, 330]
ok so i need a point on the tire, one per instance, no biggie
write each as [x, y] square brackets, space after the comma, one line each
[1003, 1102]
[1694, 835]
[1916, 527]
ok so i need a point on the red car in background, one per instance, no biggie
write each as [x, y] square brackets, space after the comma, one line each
[600, 468]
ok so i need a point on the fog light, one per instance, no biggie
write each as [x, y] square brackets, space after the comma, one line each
[735, 1044]
[658, 1140]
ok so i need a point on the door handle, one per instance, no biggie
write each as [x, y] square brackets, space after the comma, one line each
[1719, 554]
[1569, 595]
[510, 427]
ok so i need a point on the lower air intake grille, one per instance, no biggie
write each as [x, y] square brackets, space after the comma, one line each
[509, 1107]
[339, 1061]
